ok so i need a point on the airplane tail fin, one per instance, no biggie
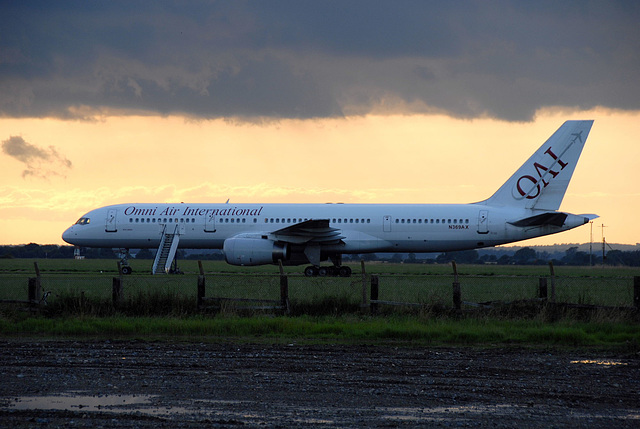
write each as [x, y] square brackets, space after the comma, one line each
[541, 182]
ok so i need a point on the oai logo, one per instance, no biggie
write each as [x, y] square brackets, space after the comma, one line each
[528, 185]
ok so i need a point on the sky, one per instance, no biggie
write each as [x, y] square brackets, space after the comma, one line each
[306, 101]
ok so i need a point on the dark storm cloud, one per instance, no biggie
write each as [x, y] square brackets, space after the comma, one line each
[317, 59]
[41, 163]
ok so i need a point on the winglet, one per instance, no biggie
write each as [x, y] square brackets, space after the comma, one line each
[542, 181]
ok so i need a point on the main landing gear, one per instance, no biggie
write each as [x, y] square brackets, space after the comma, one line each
[313, 271]
[124, 261]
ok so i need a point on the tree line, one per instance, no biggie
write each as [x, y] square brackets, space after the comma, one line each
[523, 256]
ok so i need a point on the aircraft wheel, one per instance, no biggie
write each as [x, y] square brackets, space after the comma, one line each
[345, 272]
[126, 270]
[323, 271]
[310, 271]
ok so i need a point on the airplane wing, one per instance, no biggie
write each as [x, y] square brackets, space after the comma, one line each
[314, 231]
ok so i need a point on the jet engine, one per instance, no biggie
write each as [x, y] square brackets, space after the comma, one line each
[253, 251]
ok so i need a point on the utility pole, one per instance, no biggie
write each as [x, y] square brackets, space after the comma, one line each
[603, 245]
[591, 244]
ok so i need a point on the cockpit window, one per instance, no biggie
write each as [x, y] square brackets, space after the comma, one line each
[83, 221]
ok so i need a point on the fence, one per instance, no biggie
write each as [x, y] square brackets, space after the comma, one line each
[285, 292]
[473, 289]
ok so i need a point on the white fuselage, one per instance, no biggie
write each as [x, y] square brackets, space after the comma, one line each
[366, 228]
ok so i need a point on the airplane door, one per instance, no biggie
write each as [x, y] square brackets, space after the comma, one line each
[210, 223]
[483, 222]
[111, 221]
[386, 224]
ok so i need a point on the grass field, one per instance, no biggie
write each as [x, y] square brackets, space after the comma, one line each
[141, 267]
[413, 283]
[323, 308]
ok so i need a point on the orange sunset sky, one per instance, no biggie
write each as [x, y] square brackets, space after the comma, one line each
[240, 101]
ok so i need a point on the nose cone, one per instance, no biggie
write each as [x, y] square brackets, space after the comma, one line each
[68, 235]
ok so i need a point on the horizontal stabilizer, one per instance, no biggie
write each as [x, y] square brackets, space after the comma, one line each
[551, 218]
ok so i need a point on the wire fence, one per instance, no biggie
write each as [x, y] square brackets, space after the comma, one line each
[356, 290]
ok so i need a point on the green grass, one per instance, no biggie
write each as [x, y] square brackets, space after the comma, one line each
[350, 329]
[425, 284]
[324, 309]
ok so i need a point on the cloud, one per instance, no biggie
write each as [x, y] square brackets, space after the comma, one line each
[39, 163]
[307, 59]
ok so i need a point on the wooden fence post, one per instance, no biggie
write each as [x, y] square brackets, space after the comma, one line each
[553, 282]
[38, 285]
[363, 305]
[284, 289]
[373, 306]
[116, 287]
[32, 290]
[636, 292]
[457, 294]
[201, 285]
[542, 288]
[116, 291]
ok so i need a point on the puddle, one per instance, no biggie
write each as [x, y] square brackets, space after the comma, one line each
[599, 362]
[74, 401]
[444, 413]
[143, 404]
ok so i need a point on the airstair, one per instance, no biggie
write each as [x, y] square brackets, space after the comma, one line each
[166, 251]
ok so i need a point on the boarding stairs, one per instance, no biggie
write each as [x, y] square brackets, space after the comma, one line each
[166, 251]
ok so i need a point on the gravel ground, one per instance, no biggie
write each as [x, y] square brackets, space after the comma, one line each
[53, 384]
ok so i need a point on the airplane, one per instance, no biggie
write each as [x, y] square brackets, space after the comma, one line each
[525, 206]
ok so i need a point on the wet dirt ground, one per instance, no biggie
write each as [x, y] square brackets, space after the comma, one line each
[55, 384]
